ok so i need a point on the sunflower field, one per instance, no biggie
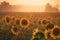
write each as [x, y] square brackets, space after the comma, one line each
[29, 28]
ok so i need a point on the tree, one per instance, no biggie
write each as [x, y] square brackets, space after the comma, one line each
[48, 7]
[4, 3]
[55, 9]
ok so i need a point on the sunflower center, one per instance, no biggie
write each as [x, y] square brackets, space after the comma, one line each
[15, 29]
[56, 31]
[13, 18]
[24, 22]
[44, 22]
[7, 19]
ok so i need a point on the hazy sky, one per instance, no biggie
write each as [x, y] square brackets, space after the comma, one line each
[33, 2]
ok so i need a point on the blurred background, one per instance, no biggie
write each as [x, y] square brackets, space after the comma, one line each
[30, 5]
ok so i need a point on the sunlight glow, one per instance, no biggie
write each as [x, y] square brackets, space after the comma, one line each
[33, 2]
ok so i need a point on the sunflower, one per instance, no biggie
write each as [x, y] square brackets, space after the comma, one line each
[50, 26]
[33, 22]
[47, 34]
[15, 31]
[34, 32]
[13, 18]
[17, 21]
[3, 19]
[58, 20]
[24, 22]
[39, 21]
[31, 16]
[32, 19]
[44, 21]
[7, 20]
[55, 32]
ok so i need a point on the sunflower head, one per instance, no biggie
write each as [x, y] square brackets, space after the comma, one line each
[13, 18]
[39, 21]
[34, 32]
[50, 26]
[33, 22]
[7, 19]
[15, 31]
[17, 21]
[44, 21]
[31, 16]
[55, 32]
[24, 22]
[47, 34]
[3, 19]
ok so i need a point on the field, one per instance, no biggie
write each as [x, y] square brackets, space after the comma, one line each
[29, 26]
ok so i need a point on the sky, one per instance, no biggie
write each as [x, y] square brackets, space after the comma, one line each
[33, 2]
